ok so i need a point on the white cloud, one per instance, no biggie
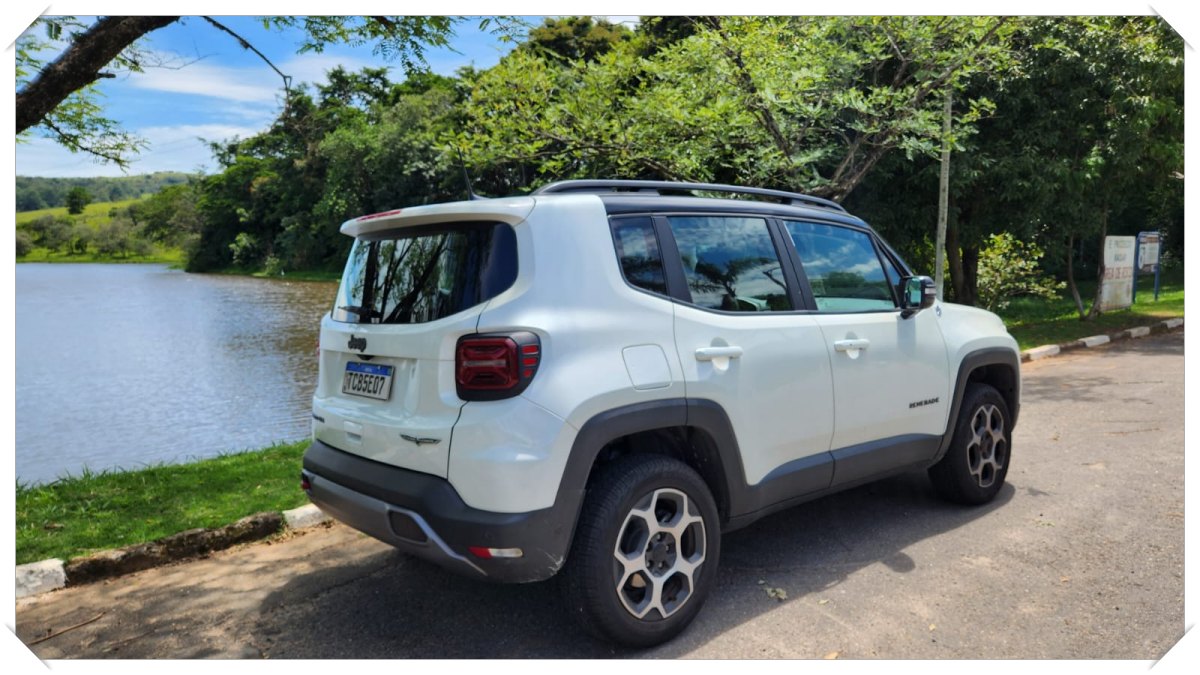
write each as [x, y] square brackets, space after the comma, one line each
[254, 85]
[235, 84]
[172, 148]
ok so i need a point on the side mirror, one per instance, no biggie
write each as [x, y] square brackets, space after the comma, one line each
[919, 293]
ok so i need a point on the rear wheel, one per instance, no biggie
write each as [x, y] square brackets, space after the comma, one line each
[973, 470]
[645, 552]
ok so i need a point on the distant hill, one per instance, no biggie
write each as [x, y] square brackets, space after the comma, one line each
[36, 192]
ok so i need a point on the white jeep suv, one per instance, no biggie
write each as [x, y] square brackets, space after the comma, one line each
[602, 377]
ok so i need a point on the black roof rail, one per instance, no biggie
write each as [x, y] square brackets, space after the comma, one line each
[658, 186]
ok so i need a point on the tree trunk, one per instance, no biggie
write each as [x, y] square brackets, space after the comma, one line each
[957, 282]
[81, 63]
[970, 265]
[1095, 311]
[1071, 276]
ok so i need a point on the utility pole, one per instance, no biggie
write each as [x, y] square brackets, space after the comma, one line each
[943, 198]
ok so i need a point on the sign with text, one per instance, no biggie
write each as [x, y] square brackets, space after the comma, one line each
[1116, 288]
[1148, 247]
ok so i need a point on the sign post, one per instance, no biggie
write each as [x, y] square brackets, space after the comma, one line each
[1116, 288]
[1147, 259]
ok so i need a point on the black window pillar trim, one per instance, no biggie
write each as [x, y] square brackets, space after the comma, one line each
[677, 286]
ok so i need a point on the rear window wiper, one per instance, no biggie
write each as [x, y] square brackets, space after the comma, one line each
[362, 312]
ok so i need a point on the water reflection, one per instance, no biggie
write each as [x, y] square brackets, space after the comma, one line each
[126, 365]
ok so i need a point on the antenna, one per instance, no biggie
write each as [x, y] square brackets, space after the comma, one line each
[466, 176]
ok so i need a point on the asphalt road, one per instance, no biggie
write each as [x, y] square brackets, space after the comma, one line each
[1081, 556]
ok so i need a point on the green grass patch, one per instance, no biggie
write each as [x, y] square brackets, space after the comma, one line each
[94, 215]
[169, 256]
[1035, 322]
[82, 514]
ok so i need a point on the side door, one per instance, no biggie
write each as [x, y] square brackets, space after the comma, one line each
[890, 370]
[743, 344]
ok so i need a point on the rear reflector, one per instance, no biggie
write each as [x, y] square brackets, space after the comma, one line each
[495, 366]
[488, 553]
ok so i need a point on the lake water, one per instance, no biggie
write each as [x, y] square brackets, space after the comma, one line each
[129, 365]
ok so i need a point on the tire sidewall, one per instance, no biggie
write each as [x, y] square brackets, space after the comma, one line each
[613, 617]
[977, 397]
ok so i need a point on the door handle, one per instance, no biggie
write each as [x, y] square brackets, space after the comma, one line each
[710, 353]
[847, 345]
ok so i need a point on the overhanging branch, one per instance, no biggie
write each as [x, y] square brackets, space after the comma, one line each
[287, 80]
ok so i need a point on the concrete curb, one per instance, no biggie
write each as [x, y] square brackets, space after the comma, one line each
[49, 575]
[1046, 351]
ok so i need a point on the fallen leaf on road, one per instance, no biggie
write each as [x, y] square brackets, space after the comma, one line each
[831, 656]
[932, 626]
[777, 593]
[823, 602]
[1064, 579]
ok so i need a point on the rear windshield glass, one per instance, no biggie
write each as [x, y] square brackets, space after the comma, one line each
[423, 274]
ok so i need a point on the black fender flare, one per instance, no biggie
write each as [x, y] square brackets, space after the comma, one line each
[603, 428]
[990, 356]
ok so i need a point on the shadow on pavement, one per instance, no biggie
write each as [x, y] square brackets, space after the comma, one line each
[399, 607]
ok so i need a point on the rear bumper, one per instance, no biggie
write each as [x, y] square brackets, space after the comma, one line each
[423, 515]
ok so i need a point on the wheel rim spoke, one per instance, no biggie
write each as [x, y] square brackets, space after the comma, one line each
[987, 451]
[659, 552]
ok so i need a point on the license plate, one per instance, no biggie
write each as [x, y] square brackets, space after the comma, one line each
[368, 379]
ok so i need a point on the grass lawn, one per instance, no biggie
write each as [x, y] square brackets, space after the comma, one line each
[94, 215]
[95, 511]
[1035, 322]
[170, 256]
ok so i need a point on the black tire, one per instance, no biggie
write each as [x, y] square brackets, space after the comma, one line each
[973, 469]
[592, 580]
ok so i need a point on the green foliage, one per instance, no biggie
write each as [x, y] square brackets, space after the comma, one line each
[77, 199]
[50, 232]
[574, 38]
[809, 103]
[36, 192]
[78, 123]
[1009, 268]
[80, 238]
[245, 249]
[24, 243]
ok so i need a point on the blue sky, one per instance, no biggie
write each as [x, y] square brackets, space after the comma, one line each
[217, 90]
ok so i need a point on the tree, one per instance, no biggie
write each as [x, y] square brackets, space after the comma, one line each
[807, 103]
[60, 98]
[574, 38]
[77, 200]
[24, 243]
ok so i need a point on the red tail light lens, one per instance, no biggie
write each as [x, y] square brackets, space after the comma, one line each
[495, 366]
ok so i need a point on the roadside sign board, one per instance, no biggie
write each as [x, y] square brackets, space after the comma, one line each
[1148, 246]
[1116, 288]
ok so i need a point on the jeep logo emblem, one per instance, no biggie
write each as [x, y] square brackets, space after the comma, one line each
[359, 343]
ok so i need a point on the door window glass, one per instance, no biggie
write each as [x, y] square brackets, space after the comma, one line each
[842, 267]
[730, 263]
[637, 251]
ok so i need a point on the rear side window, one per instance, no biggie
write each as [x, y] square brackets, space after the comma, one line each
[842, 267]
[637, 251]
[730, 263]
[414, 275]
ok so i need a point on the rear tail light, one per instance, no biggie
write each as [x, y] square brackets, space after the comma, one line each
[495, 366]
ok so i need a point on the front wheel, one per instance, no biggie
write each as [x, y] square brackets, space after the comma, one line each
[645, 552]
[974, 467]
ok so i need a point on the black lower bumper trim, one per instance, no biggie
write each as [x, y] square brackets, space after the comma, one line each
[424, 515]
